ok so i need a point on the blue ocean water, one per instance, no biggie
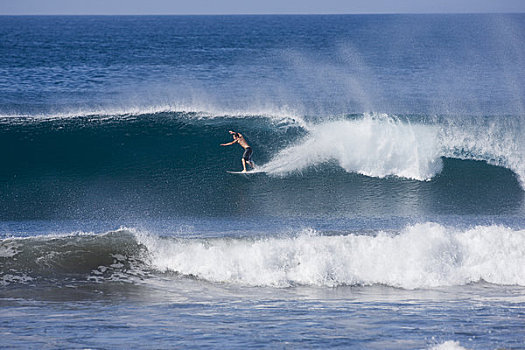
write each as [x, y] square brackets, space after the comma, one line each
[386, 210]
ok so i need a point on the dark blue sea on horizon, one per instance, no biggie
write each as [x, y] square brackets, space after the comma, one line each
[386, 209]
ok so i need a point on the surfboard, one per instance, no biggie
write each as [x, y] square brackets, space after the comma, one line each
[251, 171]
[238, 172]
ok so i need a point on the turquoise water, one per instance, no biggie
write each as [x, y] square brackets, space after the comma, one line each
[386, 210]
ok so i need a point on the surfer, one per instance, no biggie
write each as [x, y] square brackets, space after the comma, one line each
[247, 155]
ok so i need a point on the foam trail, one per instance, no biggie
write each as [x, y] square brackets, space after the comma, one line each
[421, 256]
[377, 146]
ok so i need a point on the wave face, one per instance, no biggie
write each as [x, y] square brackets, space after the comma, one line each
[419, 256]
[61, 259]
[170, 163]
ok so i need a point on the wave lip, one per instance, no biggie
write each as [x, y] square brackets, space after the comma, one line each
[278, 115]
[421, 256]
[377, 146]
[497, 140]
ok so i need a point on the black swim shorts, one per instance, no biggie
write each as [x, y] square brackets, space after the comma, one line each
[247, 155]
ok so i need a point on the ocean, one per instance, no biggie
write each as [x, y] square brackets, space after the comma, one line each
[386, 209]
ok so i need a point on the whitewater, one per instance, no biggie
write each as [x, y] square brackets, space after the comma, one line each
[421, 256]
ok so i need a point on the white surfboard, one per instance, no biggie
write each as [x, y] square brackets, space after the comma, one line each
[239, 172]
[251, 171]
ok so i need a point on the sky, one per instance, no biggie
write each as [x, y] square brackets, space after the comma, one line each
[185, 7]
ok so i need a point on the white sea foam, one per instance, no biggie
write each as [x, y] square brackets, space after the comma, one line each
[421, 256]
[377, 146]
[448, 345]
[383, 145]
[8, 279]
[8, 249]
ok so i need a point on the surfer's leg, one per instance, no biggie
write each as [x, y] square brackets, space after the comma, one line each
[247, 157]
[243, 165]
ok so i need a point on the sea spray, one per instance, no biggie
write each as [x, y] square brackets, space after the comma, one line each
[376, 146]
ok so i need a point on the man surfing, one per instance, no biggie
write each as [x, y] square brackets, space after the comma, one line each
[247, 155]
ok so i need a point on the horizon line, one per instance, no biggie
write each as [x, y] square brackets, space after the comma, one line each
[264, 14]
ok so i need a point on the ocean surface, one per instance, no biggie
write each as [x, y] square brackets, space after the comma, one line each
[386, 210]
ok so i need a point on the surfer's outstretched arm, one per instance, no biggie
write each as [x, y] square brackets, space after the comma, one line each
[235, 138]
[229, 143]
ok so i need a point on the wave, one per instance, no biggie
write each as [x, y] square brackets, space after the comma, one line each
[70, 257]
[497, 140]
[419, 256]
[281, 115]
[376, 145]
[385, 145]
[172, 161]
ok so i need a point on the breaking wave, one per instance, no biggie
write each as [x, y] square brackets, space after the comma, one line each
[171, 161]
[371, 144]
[419, 256]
